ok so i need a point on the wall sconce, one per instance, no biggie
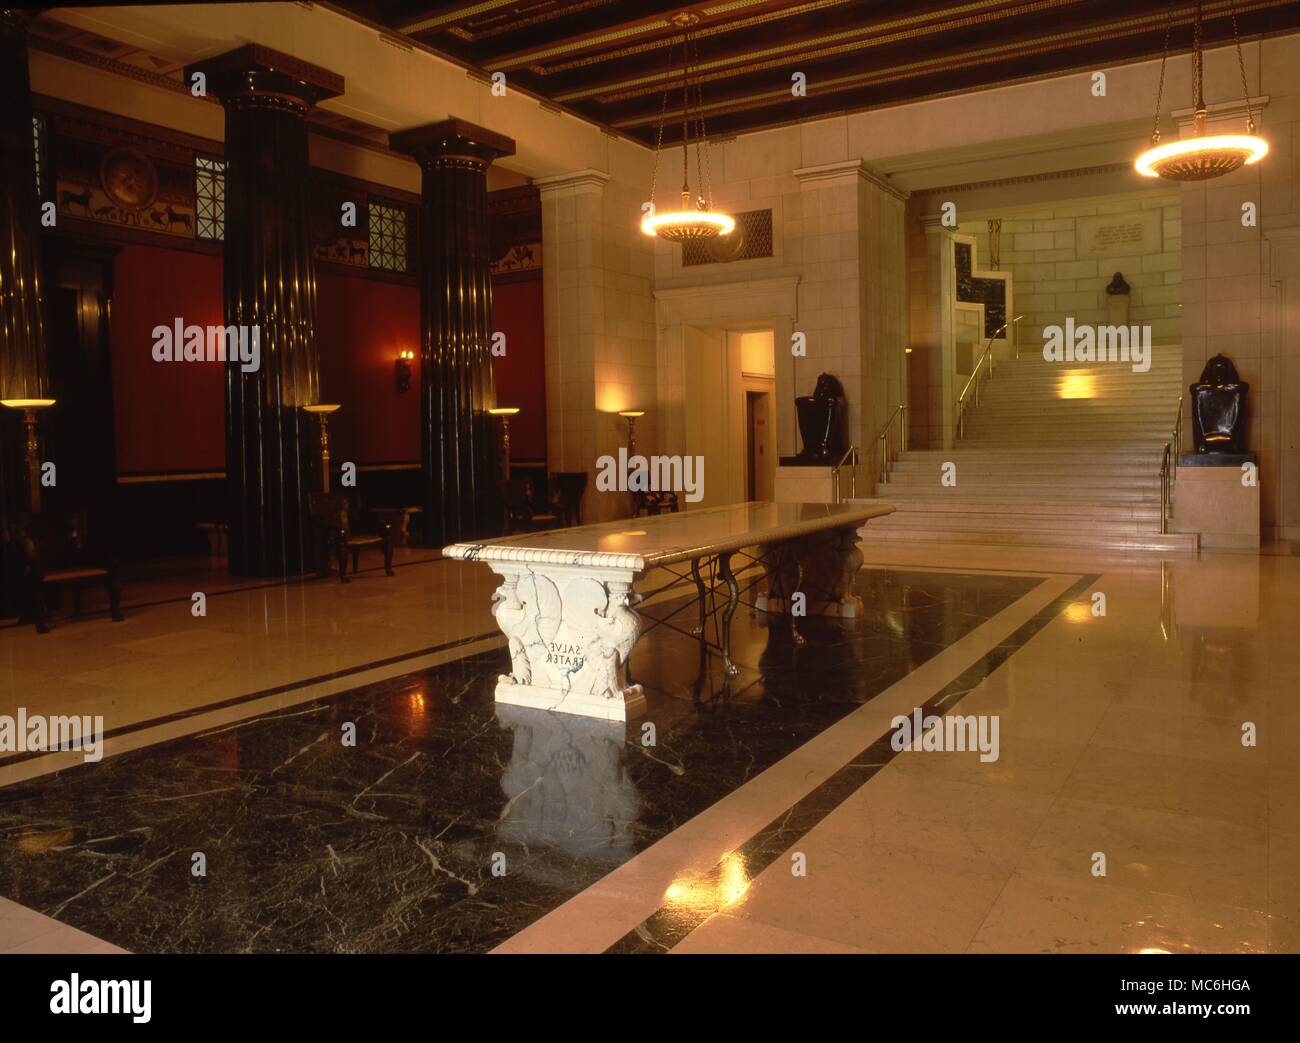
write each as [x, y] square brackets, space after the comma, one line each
[505, 413]
[630, 416]
[323, 412]
[29, 408]
[402, 370]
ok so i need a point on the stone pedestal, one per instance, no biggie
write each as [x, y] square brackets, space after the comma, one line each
[1211, 500]
[270, 286]
[570, 631]
[798, 484]
[821, 566]
[1117, 309]
[459, 459]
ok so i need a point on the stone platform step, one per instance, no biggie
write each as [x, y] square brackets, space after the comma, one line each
[1174, 541]
[1011, 511]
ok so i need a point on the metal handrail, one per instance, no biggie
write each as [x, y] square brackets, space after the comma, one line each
[972, 381]
[886, 457]
[851, 451]
[1169, 467]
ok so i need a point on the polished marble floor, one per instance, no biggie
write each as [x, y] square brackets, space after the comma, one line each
[450, 823]
[768, 815]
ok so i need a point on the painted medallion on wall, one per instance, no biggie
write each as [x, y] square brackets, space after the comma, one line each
[112, 176]
[129, 178]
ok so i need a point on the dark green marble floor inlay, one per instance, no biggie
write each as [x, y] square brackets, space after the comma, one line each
[451, 824]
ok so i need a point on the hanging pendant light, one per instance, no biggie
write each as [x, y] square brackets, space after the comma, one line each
[1201, 156]
[696, 219]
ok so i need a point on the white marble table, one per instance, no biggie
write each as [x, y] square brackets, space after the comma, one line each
[566, 600]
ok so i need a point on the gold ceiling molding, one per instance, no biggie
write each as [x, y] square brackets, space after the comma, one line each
[481, 33]
[464, 11]
[982, 56]
[809, 51]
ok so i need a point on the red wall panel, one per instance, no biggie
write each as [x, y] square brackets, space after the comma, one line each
[361, 325]
[168, 415]
[521, 373]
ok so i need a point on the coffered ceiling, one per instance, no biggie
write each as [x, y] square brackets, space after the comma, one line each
[609, 59]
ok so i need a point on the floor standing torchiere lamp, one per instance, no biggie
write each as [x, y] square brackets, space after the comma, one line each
[630, 415]
[505, 413]
[323, 413]
[32, 456]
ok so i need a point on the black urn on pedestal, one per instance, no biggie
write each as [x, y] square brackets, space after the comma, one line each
[1219, 409]
[821, 422]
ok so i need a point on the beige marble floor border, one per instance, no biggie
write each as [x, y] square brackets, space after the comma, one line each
[201, 721]
[239, 712]
[25, 931]
[602, 914]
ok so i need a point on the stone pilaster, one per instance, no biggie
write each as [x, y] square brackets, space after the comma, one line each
[600, 334]
[853, 297]
[933, 292]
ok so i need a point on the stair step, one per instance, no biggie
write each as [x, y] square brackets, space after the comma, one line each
[1058, 510]
[1015, 468]
[1174, 541]
[1039, 488]
[1042, 525]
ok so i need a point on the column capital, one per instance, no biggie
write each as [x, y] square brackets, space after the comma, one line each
[847, 171]
[452, 140]
[588, 178]
[254, 71]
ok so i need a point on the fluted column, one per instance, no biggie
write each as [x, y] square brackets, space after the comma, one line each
[22, 339]
[457, 438]
[270, 284]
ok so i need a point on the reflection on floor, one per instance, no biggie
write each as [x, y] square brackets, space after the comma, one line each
[450, 824]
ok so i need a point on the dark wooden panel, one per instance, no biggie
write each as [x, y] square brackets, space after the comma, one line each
[158, 518]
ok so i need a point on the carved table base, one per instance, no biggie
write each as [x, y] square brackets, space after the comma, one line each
[821, 566]
[570, 632]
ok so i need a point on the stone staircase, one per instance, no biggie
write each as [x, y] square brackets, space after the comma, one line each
[1055, 455]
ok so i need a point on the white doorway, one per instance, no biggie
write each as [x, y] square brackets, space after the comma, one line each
[730, 411]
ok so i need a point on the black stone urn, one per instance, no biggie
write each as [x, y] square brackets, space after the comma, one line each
[1219, 409]
[821, 422]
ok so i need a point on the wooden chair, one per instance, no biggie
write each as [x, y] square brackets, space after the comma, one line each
[522, 512]
[331, 515]
[654, 503]
[53, 550]
[569, 487]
